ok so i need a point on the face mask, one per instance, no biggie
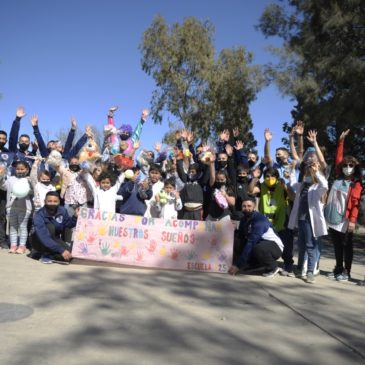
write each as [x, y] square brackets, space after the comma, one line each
[242, 179]
[46, 183]
[19, 175]
[52, 209]
[222, 164]
[270, 181]
[348, 171]
[74, 167]
[247, 214]
[192, 177]
[2, 144]
[251, 163]
[279, 160]
[23, 146]
[219, 185]
[124, 136]
[308, 180]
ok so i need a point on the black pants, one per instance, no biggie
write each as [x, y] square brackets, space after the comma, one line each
[344, 249]
[266, 253]
[38, 246]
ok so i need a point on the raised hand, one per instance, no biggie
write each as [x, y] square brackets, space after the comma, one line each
[190, 137]
[145, 114]
[299, 128]
[184, 133]
[268, 135]
[34, 120]
[256, 173]
[20, 112]
[89, 132]
[73, 122]
[312, 136]
[158, 147]
[229, 149]
[239, 145]
[344, 134]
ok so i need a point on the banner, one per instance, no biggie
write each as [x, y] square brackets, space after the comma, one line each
[152, 242]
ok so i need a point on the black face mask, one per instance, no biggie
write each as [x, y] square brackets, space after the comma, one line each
[2, 144]
[74, 167]
[23, 146]
[247, 215]
[52, 209]
[242, 179]
[251, 163]
[46, 183]
[279, 160]
[19, 175]
[219, 185]
[222, 164]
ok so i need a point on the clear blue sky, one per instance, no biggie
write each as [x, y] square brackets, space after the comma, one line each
[79, 57]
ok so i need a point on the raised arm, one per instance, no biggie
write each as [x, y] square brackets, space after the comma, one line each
[312, 138]
[268, 138]
[38, 136]
[14, 131]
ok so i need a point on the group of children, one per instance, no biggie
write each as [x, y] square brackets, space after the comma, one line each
[188, 181]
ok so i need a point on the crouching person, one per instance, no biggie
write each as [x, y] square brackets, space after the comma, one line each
[256, 244]
[51, 240]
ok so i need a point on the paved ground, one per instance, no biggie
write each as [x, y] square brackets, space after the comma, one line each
[77, 314]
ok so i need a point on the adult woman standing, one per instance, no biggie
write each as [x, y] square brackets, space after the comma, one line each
[342, 209]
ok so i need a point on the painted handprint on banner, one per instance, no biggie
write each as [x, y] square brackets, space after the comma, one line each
[104, 248]
[124, 251]
[91, 238]
[174, 253]
[152, 246]
[83, 249]
[139, 256]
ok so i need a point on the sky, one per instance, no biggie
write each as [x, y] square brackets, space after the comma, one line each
[60, 58]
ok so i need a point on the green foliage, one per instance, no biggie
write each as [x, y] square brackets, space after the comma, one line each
[321, 65]
[204, 94]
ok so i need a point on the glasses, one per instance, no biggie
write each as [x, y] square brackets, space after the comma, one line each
[348, 165]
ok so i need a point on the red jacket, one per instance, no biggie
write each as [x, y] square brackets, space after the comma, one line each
[354, 194]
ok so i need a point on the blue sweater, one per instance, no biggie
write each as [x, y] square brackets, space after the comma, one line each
[133, 203]
[60, 220]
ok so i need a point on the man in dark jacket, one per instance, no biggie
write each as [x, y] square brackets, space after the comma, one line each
[257, 243]
[52, 236]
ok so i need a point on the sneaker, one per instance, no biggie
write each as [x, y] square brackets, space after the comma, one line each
[290, 274]
[272, 273]
[21, 250]
[12, 249]
[343, 277]
[46, 260]
[316, 271]
[310, 278]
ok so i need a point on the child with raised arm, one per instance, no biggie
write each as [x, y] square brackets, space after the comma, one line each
[105, 194]
[41, 184]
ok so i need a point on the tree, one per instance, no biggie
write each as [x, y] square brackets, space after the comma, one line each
[321, 65]
[204, 94]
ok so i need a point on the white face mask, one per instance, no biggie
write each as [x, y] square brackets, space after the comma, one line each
[308, 179]
[348, 171]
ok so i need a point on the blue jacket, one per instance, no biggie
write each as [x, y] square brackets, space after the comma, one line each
[60, 220]
[251, 230]
[133, 203]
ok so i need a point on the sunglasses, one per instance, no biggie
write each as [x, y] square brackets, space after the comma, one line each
[348, 165]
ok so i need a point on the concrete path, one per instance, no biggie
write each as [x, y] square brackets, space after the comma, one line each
[87, 315]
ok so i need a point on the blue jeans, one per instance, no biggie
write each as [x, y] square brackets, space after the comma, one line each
[307, 244]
